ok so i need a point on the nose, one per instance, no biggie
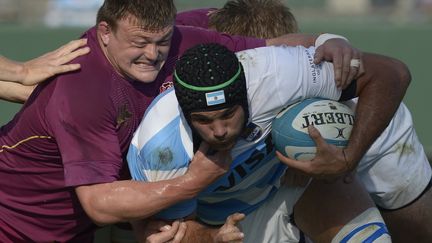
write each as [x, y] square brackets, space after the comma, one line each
[151, 51]
[219, 130]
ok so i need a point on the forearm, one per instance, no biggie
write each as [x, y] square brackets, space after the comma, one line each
[121, 201]
[15, 92]
[378, 101]
[10, 71]
[294, 39]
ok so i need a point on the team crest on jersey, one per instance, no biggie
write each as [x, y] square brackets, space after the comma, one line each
[123, 115]
[164, 155]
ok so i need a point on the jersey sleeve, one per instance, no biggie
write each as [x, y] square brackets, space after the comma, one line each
[80, 117]
[162, 148]
[287, 75]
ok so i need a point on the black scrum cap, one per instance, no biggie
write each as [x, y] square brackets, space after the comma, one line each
[209, 77]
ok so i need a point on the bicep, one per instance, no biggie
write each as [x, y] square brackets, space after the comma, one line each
[380, 68]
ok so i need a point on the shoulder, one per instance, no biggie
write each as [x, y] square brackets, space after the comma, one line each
[194, 17]
[163, 122]
[95, 75]
[87, 92]
[162, 144]
[274, 59]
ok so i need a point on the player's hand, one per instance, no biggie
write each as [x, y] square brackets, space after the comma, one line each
[207, 166]
[159, 231]
[340, 52]
[53, 63]
[230, 231]
[329, 162]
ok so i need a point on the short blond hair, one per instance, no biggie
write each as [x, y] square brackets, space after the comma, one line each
[257, 18]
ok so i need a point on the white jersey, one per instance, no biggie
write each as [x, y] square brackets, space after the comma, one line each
[162, 146]
[395, 169]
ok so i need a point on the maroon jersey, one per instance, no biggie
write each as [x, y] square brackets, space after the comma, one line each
[195, 17]
[75, 130]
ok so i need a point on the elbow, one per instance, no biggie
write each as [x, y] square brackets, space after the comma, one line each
[404, 75]
[98, 217]
[97, 210]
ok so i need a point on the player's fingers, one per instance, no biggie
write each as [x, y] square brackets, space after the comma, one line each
[338, 61]
[70, 56]
[167, 227]
[234, 237]
[65, 68]
[353, 72]
[346, 67]
[235, 218]
[167, 233]
[160, 237]
[355, 64]
[71, 46]
[180, 233]
[303, 166]
[361, 69]
[357, 68]
[319, 55]
[316, 136]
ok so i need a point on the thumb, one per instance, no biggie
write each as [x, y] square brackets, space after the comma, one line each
[316, 136]
[235, 218]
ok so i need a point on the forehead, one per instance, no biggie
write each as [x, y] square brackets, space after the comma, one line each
[132, 27]
[214, 113]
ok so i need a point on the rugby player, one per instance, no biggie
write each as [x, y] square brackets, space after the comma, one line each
[395, 170]
[251, 88]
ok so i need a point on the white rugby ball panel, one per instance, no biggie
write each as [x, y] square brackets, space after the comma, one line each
[334, 120]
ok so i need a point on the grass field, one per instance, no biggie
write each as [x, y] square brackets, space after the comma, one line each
[411, 44]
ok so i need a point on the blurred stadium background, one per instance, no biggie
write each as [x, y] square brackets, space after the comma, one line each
[397, 28]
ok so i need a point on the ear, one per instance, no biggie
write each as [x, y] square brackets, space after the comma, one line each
[104, 31]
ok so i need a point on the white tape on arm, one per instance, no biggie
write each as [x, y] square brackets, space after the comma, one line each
[325, 37]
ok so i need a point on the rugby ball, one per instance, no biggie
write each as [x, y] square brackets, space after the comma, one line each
[333, 119]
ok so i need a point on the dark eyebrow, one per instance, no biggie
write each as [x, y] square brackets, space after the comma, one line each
[230, 110]
[163, 38]
[170, 33]
[195, 116]
[167, 35]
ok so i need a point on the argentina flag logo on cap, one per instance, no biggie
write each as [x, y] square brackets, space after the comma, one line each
[215, 98]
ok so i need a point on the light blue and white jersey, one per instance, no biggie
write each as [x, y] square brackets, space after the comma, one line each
[162, 146]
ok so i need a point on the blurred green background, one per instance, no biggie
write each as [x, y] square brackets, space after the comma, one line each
[406, 39]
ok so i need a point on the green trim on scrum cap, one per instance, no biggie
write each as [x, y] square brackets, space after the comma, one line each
[210, 88]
